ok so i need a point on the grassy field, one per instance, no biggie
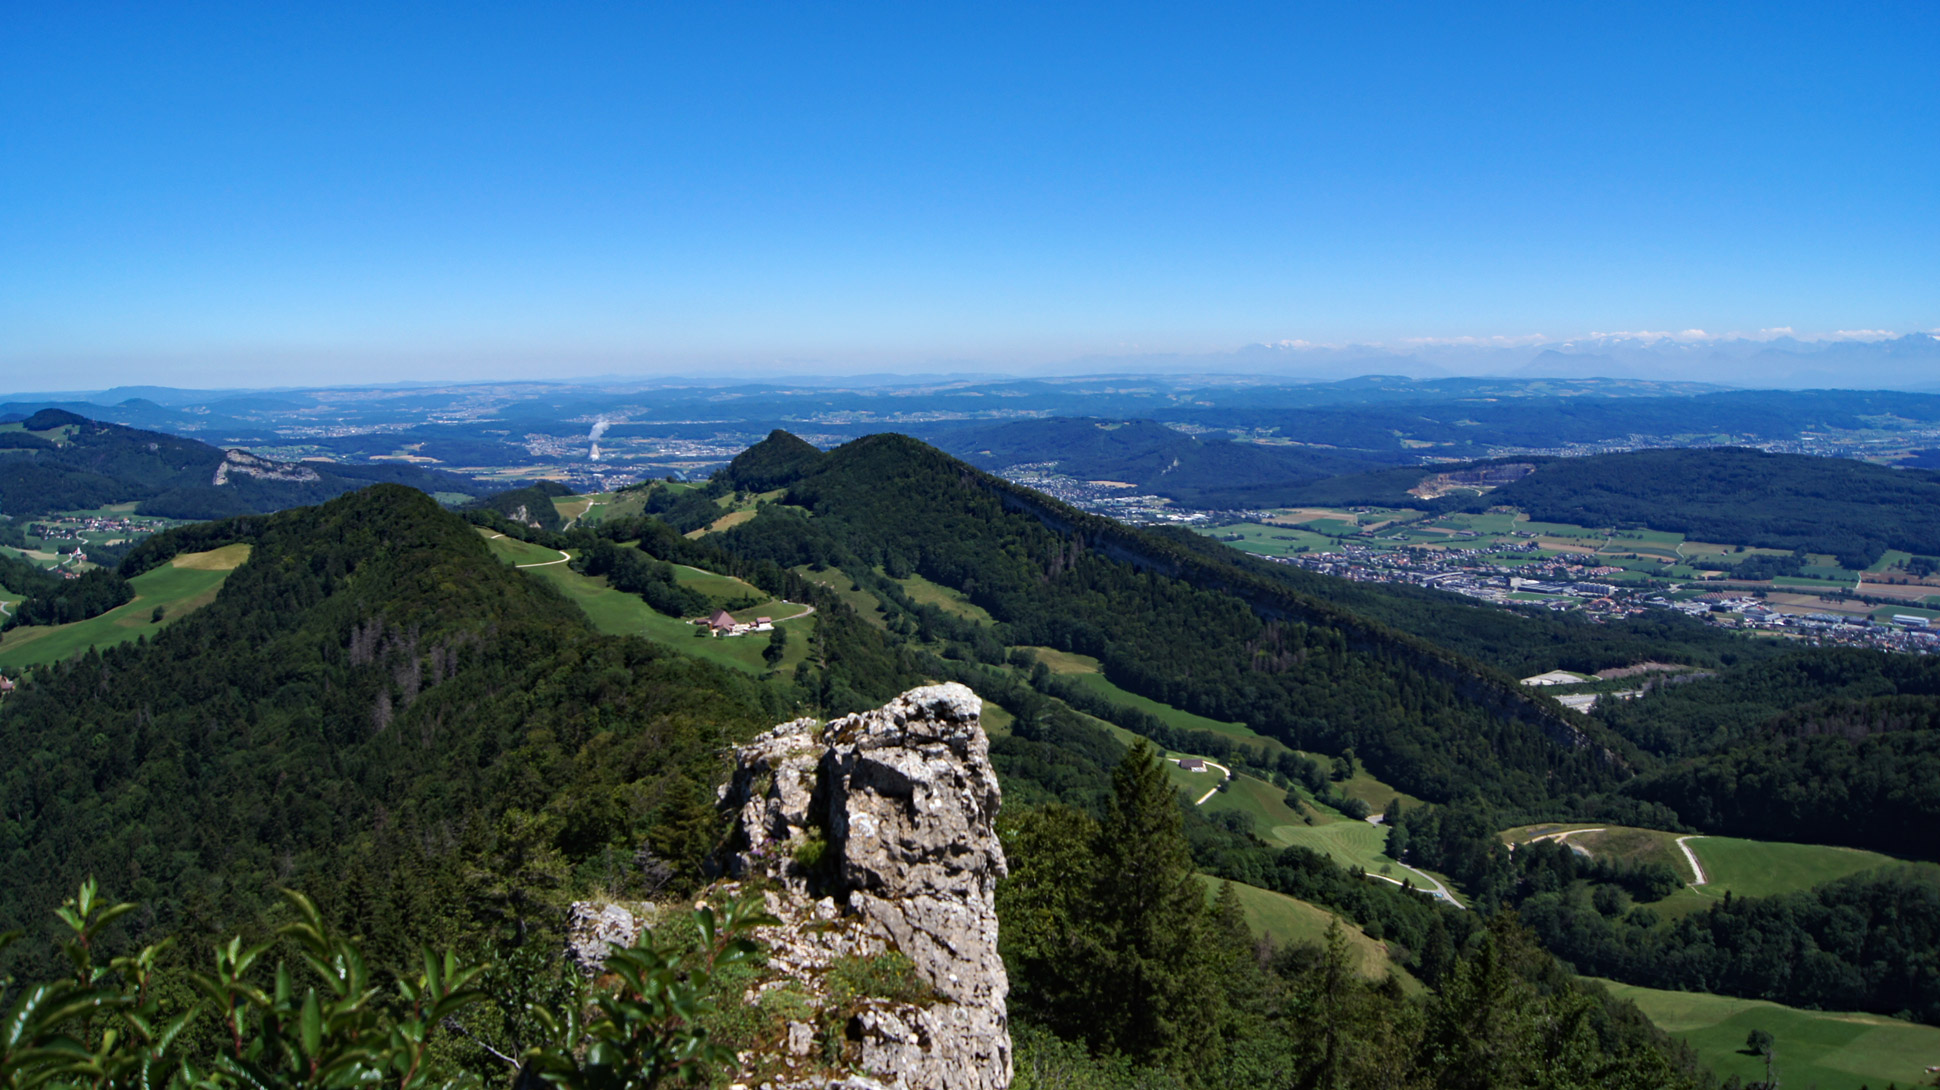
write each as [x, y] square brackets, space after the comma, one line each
[617, 613]
[1743, 868]
[1760, 868]
[1257, 799]
[1086, 671]
[1289, 920]
[1365, 786]
[187, 583]
[1618, 841]
[720, 589]
[1827, 1049]
[863, 602]
[1272, 540]
[573, 508]
[513, 551]
[1065, 662]
[923, 592]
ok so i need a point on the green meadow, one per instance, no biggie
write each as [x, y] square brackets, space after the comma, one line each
[864, 603]
[1760, 868]
[1086, 671]
[1289, 921]
[1742, 868]
[179, 587]
[1827, 1049]
[925, 593]
[618, 613]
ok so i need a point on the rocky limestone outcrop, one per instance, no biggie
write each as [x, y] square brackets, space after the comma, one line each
[872, 840]
[873, 835]
[263, 469]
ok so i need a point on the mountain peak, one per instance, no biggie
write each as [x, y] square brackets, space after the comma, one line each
[776, 462]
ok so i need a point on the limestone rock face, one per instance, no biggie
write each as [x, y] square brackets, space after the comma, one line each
[877, 834]
[592, 930]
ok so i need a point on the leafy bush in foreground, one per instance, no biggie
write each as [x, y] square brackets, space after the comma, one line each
[108, 1025]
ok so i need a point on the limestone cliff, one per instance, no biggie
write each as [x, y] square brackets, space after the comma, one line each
[872, 840]
[882, 824]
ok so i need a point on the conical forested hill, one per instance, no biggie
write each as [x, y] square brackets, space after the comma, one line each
[374, 709]
[1181, 625]
[773, 462]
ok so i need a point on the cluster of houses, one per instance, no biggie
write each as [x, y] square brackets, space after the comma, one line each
[721, 624]
[1741, 609]
[71, 529]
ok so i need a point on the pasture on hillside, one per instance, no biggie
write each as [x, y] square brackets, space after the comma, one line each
[1742, 868]
[1087, 671]
[1829, 1049]
[1289, 921]
[186, 583]
[1760, 868]
[618, 613]
[923, 592]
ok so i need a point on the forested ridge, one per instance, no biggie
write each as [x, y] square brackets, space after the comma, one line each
[58, 461]
[1851, 509]
[1181, 627]
[373, 708]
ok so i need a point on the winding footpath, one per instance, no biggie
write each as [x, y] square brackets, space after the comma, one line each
[1433, 888]
[563, 556]
[1697, 868]
[1564, 838]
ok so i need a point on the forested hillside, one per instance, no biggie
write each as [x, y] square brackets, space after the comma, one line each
[1851, 509]
[376, 710]
[57, 461]
[1208, 471]
[1175, 625]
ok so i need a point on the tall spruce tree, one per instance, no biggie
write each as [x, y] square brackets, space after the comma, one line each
[1156, 990]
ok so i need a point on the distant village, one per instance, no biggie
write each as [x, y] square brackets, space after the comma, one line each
[74, 528]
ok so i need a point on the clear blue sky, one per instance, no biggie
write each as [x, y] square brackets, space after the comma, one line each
[199, 193]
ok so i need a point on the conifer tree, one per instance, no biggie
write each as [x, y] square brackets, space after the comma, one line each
[1156, 988]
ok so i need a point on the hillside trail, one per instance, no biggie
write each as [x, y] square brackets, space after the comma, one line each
[563, 556]
[1434, 888]
[1564, 838]
[1696, 867]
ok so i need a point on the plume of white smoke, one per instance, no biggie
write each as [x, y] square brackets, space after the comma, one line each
[599, 429]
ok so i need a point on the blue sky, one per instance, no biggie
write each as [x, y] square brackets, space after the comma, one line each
[207, 193]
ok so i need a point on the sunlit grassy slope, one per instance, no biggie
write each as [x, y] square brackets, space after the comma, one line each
[1743, 868]
[620, 614]
[187, 583]
[1827, 1049]
[1288, 921]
